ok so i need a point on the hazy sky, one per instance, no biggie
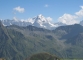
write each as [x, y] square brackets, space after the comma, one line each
[58, 10]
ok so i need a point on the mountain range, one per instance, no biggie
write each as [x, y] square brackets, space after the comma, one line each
[19, 42]
[38, 21]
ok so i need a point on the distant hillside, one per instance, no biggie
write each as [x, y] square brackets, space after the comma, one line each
[17, 43]
[11, 46]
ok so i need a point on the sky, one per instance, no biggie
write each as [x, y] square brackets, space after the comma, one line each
[65, 11]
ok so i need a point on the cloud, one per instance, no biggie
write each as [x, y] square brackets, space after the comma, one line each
[71, 19]
[46, 5]
[68, 19]
[19, 9]
[80, 12]
[49, 18]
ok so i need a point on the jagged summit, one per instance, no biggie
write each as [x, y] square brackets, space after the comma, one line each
[44, 22]
[40, 15]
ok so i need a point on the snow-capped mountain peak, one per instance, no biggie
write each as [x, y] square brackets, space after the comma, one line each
[40, 18]
[43, 22]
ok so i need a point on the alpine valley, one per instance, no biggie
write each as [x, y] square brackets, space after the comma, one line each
[19, 39]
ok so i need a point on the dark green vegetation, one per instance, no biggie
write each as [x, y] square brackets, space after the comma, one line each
[42, 56]
[17, 43]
